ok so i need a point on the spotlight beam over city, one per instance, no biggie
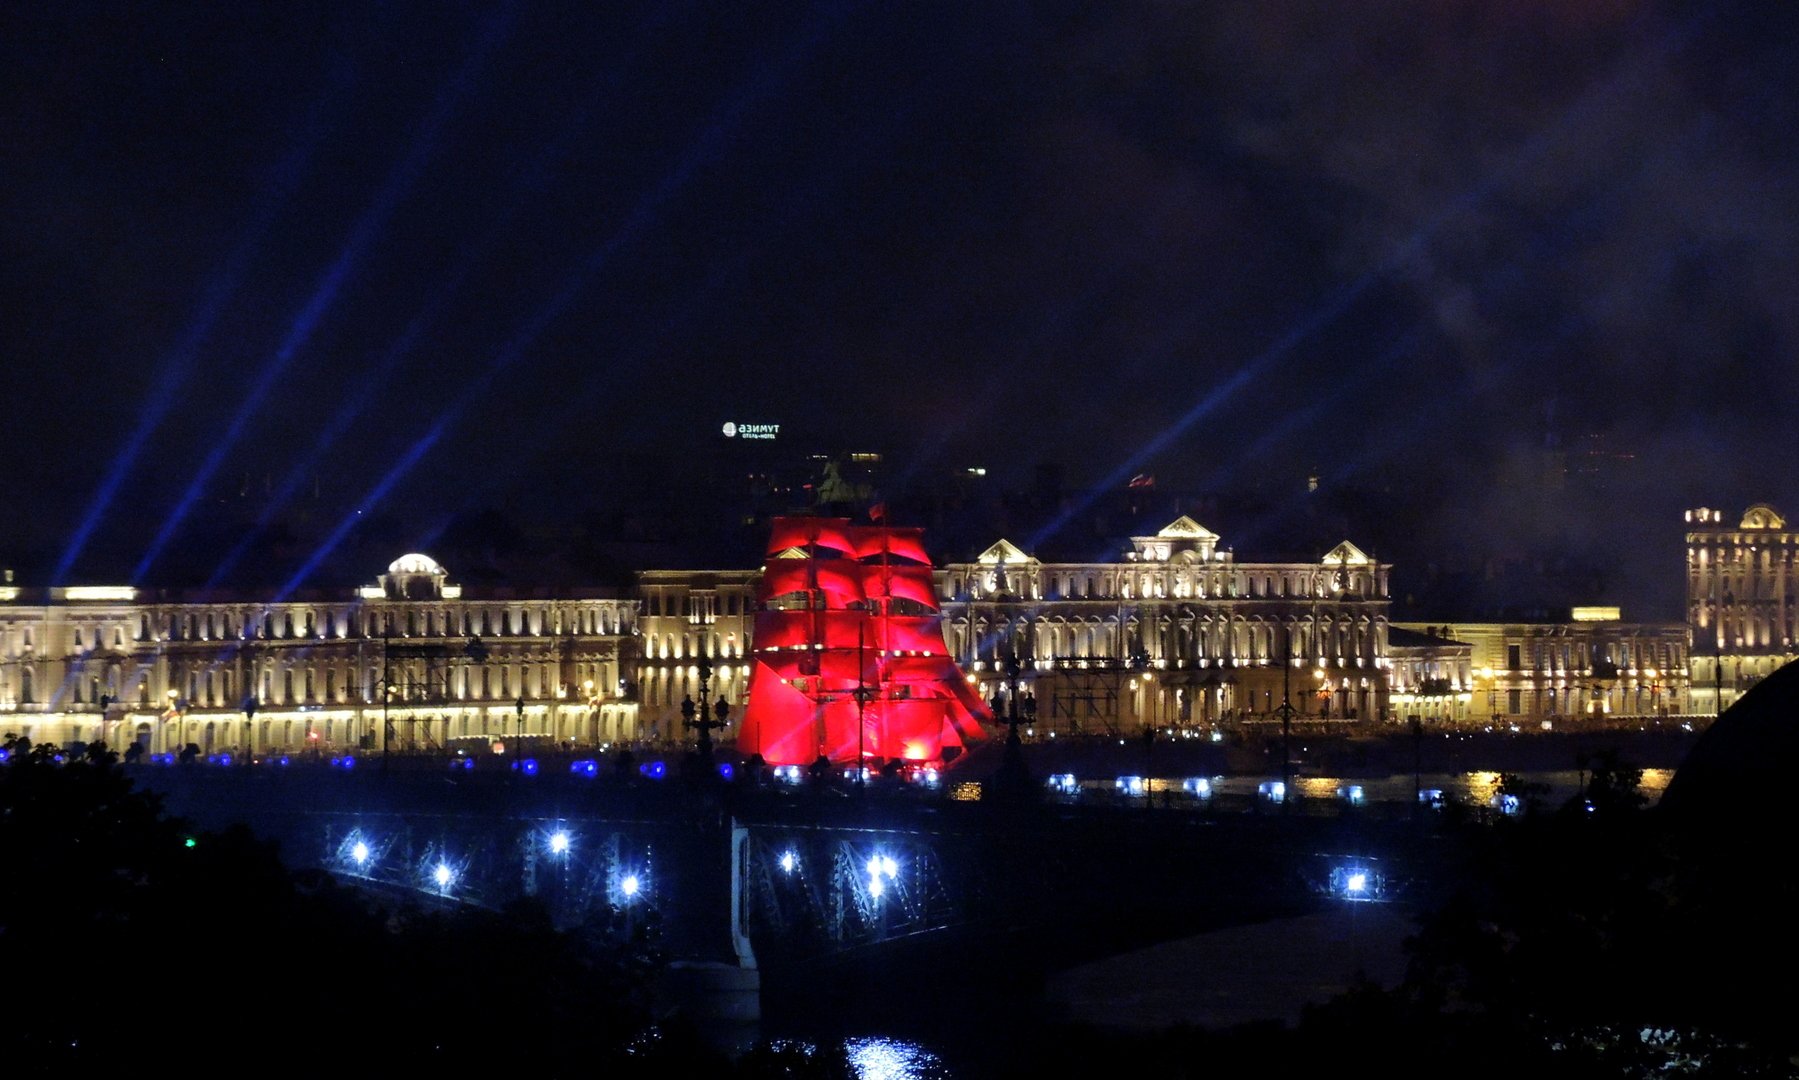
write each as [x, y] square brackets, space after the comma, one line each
[364, 233]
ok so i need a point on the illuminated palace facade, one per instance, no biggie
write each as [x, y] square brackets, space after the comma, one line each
[441, 668]
[686, 618]
[1742, 588]
[1536, 674]
[1176, 634]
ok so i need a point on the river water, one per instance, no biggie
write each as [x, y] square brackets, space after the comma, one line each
[886, 1057]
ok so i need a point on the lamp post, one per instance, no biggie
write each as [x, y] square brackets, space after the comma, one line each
[1285, 712]
[250, 705]
[1013, 779]
[697, 718]
[863, 694]
[519, 754]
[180, 718]
[1417, 762]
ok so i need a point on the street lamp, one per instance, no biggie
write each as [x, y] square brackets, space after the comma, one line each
[179, 715]
[697, 718]
[1285, 712]
[106, 701]
[863, 693]
[520, 751]
[250, 704]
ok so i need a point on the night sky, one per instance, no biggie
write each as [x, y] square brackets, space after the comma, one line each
[428, 260]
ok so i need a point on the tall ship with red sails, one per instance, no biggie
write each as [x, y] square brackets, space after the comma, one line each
[849, 659]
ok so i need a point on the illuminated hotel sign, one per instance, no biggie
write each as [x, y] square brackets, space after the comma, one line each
[751, 431]
[1597, 614]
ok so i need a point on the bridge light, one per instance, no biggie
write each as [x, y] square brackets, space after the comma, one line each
[876, 887]
[1355, 883]
[788, 861]
[360, 853]
[443, 875]
[559, 842]
[629, 885]
[889, 867]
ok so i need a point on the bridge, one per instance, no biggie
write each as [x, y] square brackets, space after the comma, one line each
[749, 887]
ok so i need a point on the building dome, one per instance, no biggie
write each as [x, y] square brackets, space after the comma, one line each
[415, 564]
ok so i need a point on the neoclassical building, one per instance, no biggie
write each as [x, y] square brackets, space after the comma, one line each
[690, 616]
[409, 661]
[1529, 674]
[1742, 588]
[1175, 634]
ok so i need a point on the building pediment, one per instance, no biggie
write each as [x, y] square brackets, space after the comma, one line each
[1347, 554]
[1762, 516]
[1185, 528]
[1003, 552]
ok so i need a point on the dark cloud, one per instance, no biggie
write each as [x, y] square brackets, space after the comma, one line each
[1427, 244]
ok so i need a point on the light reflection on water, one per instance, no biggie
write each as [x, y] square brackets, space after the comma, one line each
[893, 1059]
[879, 1057]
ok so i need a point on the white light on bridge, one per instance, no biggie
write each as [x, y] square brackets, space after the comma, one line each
[630, 885]
[876, 887]
[1356, 882]
[443, 875]
[788, 861]
[360, 853]
[559, 843]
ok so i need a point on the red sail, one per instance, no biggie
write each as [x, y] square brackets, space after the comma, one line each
[857, 671]
[778, 720]
[810, 534]
[900, 582]
[839, 579]
[872, 542]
